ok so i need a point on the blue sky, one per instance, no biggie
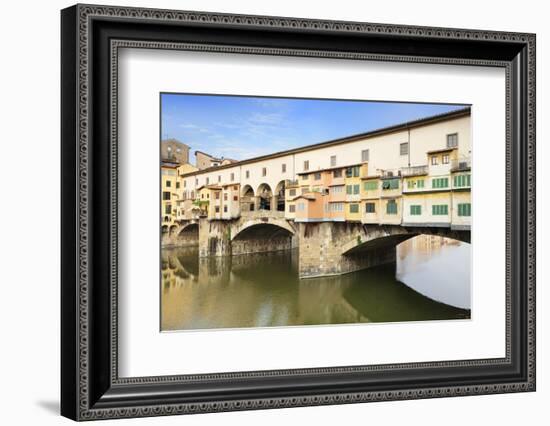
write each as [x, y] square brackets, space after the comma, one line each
[245, 127]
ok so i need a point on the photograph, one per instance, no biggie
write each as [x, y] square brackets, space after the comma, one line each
[278, 211]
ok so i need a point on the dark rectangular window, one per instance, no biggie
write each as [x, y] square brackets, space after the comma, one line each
[168, 209]
[306, 165]
[332, 160]
[225, 196]
[317, 176]
[168, 184]
[352, 171]
[166, 195]
[235, 198]
[292, 192]
[283, 168]
[219, 178]
[391, 207]
[434, 160]
[225, 209]
[354, 208]
[217, 209]
[404, 148]
[440, 210]
[177, 185]
[264, 171]
[390, 184]
[416, 210]
[247, 174]
[337, 173]
[445, 159]
[291, 208]
[440, 183]
[232, 177]
[452, 140]
[370, 208]
[464, 209]
[365, 155]
[207, 181]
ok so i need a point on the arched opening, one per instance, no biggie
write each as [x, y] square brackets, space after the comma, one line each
[280, 196]
[189, 235]
[247, 199]
[260, 238]
[172, 231]
[265, 195]
[164, 229]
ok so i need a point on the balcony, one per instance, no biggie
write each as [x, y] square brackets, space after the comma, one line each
[414, 171]
[461, 165]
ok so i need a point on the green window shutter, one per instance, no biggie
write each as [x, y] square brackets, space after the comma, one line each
[356, 189]
[468, 181]
[348, 189]
[420, 183]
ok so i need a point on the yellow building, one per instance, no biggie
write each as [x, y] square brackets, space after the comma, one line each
[169, 193]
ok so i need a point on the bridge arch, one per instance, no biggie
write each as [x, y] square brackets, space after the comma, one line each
[263, 228]
[380, 237]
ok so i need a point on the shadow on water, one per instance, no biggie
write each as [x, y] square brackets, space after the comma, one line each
[263, 290]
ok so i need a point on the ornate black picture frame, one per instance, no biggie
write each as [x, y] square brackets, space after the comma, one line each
[91, 387]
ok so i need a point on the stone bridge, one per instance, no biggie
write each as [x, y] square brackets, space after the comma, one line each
[324, 248]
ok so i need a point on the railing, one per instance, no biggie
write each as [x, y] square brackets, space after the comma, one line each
[461, 164]
[414, 170]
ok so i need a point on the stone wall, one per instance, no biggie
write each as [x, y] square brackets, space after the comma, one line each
[321, 246]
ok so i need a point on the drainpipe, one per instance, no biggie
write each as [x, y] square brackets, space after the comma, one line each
[409, 145]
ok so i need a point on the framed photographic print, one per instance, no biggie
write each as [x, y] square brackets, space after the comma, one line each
[263, 212]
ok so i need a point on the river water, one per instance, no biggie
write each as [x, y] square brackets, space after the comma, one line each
[429, 281]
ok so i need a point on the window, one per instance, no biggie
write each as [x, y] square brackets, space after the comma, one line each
[177, 185]
[336, 207]
[283, 168]
[317, 176]
[292, 192]
[390, 184]
[207, 181]
[291, 208]
[247, 174]
[370, 185]
[332, 160]
[416, 210]
[264, 171]
[354, 208]
[440, 182]
[434, 160]
[217, 208]
[370, 208]
[219, 178]
[452, 140]
[365, 155]
[349, 189]
[391, 207]
[225, 209]
[352, 171]
[217, 195]
[305, 189]
[403, 148]
[445, 159]
[306, 165]
[235, 198]
[337, 173]
[440, 210]
[196, 182]
[192, 194]
[185, 184]
[165, 195]
[168, 184]
[355, 189]
[461, 181]
[420, 183]
[225, 196]
[337, 189]
[464, 209]
[168, 209]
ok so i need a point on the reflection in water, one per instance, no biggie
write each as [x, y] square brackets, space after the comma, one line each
[436, 267]
[264, 290]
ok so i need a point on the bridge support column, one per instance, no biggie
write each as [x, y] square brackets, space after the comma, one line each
[321, 245]
[274, 201]
[214, 238]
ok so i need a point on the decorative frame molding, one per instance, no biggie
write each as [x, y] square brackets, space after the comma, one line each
[91, 388]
